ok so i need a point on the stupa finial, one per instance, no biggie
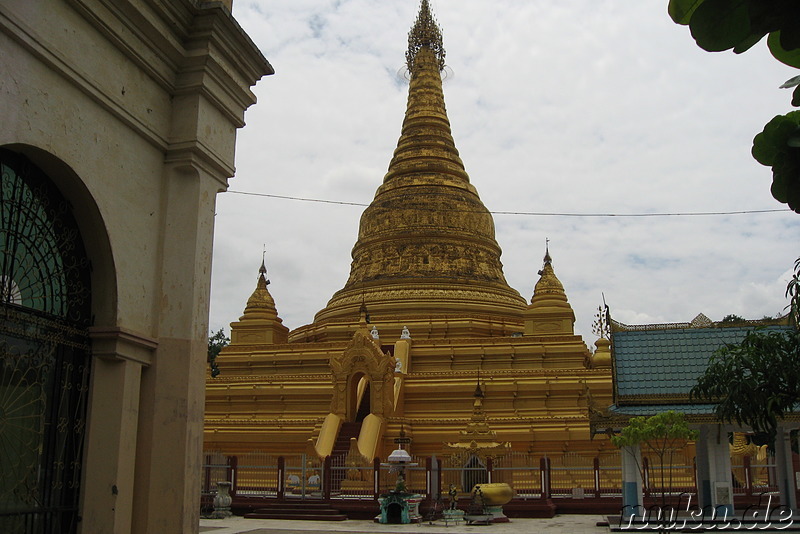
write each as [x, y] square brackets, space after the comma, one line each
[262, 271]
[261, 304]
[425, 33]
[547, 259]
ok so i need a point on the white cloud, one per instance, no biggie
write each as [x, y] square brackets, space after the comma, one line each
[576, 106]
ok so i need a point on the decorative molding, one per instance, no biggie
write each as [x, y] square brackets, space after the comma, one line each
[183, 47]
[698, 322]
[117, 343]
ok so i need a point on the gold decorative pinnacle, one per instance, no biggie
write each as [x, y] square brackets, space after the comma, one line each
[260, 302]
[548, 284]
[425, 33]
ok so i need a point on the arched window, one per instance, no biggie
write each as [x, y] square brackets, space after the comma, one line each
[45, 311]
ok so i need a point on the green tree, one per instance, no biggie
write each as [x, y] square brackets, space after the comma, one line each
[216, 342]
[732, 318]
[757, 382]
[737, 25]
[662, 434]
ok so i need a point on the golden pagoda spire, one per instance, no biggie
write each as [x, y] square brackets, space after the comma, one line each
[549, 287]
[425, 33]
[260, 322]
[260, 304]
[549, 311]
[426, 244]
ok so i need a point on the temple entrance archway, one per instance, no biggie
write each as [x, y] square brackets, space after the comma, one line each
[362, 378]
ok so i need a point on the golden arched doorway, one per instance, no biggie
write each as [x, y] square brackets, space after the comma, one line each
[362, 378]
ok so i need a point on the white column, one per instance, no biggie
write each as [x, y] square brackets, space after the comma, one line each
[714, 478]
[703, 475]
[785, 470]
[113, 420]
[632, 498]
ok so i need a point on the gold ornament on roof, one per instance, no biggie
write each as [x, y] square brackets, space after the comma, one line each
[601, 326]
[425, 33]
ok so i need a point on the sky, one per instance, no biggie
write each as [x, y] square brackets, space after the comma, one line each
[574, 107]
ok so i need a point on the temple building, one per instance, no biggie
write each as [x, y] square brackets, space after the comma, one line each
[425, 315]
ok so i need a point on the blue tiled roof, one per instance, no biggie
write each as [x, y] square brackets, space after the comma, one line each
[667, 362]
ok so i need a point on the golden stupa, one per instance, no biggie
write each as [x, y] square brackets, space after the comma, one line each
[425, 311]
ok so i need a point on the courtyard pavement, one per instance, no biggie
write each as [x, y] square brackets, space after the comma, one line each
[560, 524]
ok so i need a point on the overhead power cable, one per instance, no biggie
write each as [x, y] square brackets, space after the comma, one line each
[533, 213]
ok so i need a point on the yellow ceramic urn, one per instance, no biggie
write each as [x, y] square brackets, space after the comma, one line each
[494, 494]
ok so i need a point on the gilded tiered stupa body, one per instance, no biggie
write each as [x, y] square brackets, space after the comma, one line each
[425, 314]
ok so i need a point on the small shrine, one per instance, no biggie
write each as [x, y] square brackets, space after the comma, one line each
[399, 506]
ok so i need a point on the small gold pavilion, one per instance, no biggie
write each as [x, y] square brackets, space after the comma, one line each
[425, 312]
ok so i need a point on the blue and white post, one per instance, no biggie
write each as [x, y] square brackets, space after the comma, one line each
[632, 497]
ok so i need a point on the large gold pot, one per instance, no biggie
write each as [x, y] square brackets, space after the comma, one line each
[495, 494]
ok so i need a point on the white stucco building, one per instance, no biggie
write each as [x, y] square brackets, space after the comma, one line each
[119, 122]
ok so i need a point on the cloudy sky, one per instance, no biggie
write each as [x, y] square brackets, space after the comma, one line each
[572, 107]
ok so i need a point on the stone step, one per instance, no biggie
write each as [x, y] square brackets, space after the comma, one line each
[299, 511]
[301, 505]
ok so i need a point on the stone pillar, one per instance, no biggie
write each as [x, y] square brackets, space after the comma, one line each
[632, 501]
[714, 478]
[702, 466]
[170, 440]
[785, 470]
[113, 420]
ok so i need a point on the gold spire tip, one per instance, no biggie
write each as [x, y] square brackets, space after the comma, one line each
[262, 271]
[547, 258]
[425, 33]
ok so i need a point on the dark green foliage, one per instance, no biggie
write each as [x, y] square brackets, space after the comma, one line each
[793, 294]
[732, 318]
[718, 25]
[788, 54]
[216, 342]
[756, 382]
[778, 146]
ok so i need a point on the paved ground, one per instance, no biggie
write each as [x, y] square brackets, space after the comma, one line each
[560, 524]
